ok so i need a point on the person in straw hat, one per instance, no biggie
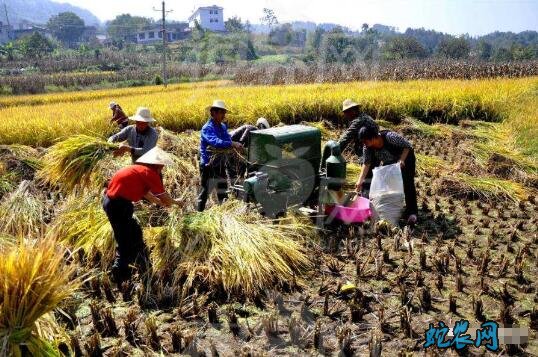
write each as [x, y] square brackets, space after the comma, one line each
[131, 184]
[358, 120]
[140, 137]
[118, 116]
[214, 137]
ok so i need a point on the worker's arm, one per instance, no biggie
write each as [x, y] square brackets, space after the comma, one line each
[349, 135]
[167, 200]
[210, 136]
[399, 141]
[152, 198]
[121, 136]
[364, 172]
[405, 152]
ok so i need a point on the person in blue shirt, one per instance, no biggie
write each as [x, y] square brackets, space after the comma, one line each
[214, 137]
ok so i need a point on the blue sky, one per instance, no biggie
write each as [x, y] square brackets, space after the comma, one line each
[475, 17]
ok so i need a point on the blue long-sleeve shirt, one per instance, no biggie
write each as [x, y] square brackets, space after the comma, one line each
[215, 136]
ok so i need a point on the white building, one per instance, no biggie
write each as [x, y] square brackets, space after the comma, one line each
[210, 18]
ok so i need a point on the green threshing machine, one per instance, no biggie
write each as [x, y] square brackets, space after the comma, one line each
[286, 168]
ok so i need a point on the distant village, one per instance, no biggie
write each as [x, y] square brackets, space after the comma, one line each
[210, 18]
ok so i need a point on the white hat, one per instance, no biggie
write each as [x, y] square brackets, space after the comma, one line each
[218, 104]
[112, 105]
[155, 156]
[143, 115]
[263, 122]
[348, 104]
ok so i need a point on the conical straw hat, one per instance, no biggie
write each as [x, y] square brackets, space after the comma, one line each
[155, 156]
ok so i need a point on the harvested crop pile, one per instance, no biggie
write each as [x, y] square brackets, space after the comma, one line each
[81, 223]
[22, 212]
[429, 165]
[232, 249]
[74, 162]
[487, 188]
[34, 279]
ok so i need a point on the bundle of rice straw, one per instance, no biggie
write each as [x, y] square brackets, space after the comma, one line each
[34, 279]
[229, 248]
[22, 212]
[74, 162]
[81, 223]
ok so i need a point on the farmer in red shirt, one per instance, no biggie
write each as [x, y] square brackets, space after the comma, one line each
[128, 185]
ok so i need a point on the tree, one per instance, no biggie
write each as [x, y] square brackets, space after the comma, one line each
[35, 45]
[234, 24]
[338, 47]
[365, 27]
[8, 50]
[125, 26]
[400, 47]
[485, 50]
[269, 18]
[455, 48]
[67, 27]
[502, 54]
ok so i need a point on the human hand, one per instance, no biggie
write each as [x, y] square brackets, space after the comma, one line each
[237, 145]
[358, 186]
[402, 163]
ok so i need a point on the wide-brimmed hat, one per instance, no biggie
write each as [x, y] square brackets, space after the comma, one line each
[112, 105]
[218, 104]
[348, 104]
[263, 122]
[143, 115]
[155, 156]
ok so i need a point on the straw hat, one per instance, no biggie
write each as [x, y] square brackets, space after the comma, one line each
[348, 104]
[112, 105]
[263, 122]
[218, 104]
[143, 115]
[155, 156]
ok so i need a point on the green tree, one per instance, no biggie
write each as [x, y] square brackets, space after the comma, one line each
[234, 24]
[503, 54]
[8, 50]
[125, 26]
[456, 48]
[520, 52]
[251, 51]
[485, 50]
[338, 47]
[35, 45]
[400, 47]
[66, 27]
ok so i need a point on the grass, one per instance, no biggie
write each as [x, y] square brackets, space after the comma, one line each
[181, 109]
[231, 248]
[34, 280]
[74, 162]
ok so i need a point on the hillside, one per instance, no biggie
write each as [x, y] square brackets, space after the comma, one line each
[39, 11]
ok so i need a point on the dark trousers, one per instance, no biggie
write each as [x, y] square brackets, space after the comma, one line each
[212, 177]
[410, 191]
[130, 247]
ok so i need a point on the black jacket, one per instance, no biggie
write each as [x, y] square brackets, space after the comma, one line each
[352, 133]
